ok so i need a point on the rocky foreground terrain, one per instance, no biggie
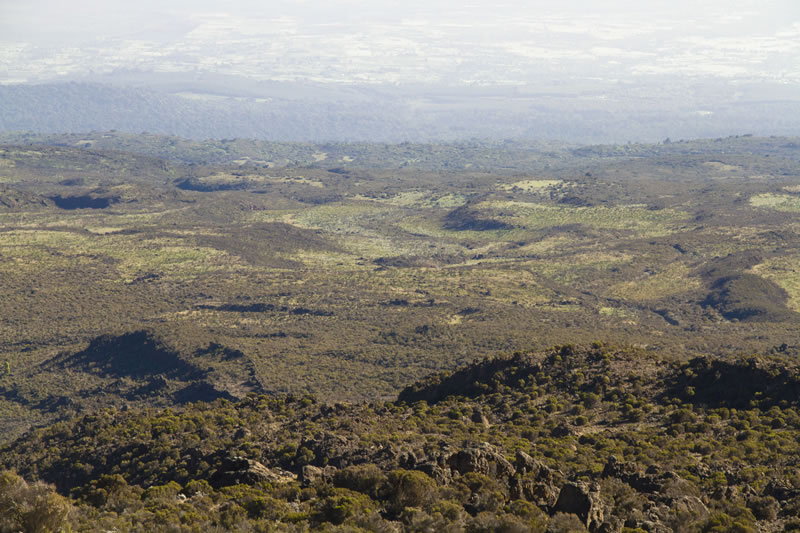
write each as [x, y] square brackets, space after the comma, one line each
[575, 438]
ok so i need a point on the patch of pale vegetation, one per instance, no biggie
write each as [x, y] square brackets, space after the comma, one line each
[575, 267]
[450, 201]
[504, 285]
[792, 188]
[354, 219]
[247, 180]
[319, 156]
[175, 262]
[404, 199]
[132, 256]
[454, 320]
[785, 272]
[330, 261]
[616, 312]
[420, 198]
[721, 167]
[673, 279]
[375, 246]
[273, 215]
[346, 159]
[531, 215]
[530, 185]
[104, 230]
[250, 161]
[562, 308]
[779, 202]
[297, 180]
[546, 245]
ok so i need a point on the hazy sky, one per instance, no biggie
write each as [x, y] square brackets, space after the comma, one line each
[412, 40]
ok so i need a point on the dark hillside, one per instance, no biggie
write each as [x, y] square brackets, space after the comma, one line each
[140, 367]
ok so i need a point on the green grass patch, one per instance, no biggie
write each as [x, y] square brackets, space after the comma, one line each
[252, 180]
[529, 185]
[420, 198]
[618, 313]
[778, 202]
[785, 272]
[637, 218]
[671, 280]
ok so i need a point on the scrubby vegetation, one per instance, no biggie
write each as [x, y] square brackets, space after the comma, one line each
[573, 438]
[213, 335]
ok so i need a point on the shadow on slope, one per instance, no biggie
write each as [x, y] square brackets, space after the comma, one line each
[738, 294]
[145, 366]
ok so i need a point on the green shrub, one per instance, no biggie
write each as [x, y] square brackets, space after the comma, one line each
[408, 488]
[368, 479]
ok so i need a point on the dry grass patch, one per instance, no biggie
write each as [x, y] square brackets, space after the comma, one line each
[252, 180]
[784, 271]
[529, 185]
[420, 198]
[721, 167]
[637, 218]
[671, 280]
[779, 202]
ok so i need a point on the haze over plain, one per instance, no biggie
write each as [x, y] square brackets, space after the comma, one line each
[708, 68]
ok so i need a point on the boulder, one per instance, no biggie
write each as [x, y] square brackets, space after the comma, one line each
[483, 459]
[331, 449]
[652, 481]
[525, 464]
[582, 500]
[236, 470]
[310, 475]
[690, 506]
[542, 493]
[534, 482]
[479, 418]
[435, 472]
[781, 490]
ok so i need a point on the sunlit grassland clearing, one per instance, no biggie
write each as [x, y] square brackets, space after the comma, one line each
[7, 172]
[646, 222]
[670, 280]
[780, 202]
[356, 218]
[473, 286]
[721, 167]
[785, 271]
[530, 185]
[411, 291]
[501, 285]
[419, 199]
[132, 255]
[129, 216]
[723, 240]
[624, 315]
[372, 247]
[579, 267]
[555, 244]
[251, 180]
